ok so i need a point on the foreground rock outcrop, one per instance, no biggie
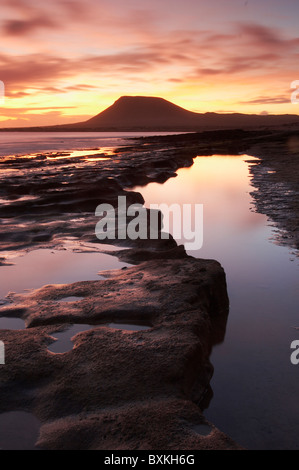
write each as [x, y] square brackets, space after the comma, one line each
[120, 389]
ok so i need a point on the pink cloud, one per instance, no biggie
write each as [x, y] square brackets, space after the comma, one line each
[109, 44]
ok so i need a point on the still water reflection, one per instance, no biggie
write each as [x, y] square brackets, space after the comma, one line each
[46, 266]
[255, 385]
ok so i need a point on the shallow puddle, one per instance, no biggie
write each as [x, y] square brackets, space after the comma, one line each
[44, 266]
[63, 341]
[10, 323]
[128, 327]
[90, 155]
[70, 299]
[19, 430]
[63, 338]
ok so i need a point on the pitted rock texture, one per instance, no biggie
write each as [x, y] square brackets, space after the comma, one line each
[120, 389]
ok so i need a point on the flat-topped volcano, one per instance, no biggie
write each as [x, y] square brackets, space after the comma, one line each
[152, 113]
[146, 113]
[143, 111]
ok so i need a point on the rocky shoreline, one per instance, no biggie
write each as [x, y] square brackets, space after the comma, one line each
[276, 179]
[52, 196]
[122, 389]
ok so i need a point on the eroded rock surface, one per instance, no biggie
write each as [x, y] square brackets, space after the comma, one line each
[119, 389]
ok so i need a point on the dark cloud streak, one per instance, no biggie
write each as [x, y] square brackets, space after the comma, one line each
[26, 27]
[261, 100]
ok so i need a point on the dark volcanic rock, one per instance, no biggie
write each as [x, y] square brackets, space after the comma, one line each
[116, 388]
[276, 183]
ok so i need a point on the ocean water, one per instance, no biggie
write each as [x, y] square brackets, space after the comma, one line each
[21, 143]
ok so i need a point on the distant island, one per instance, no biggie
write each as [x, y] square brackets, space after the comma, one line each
[145, 113]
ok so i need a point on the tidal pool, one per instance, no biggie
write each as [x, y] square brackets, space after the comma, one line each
[19, 430]
[63, 339]
[11, 323]
[255, 386]
[44, 266]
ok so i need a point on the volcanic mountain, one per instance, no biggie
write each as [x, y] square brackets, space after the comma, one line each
[145, 113]
[152, 114]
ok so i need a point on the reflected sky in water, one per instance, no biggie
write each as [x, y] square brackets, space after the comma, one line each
[255, 385]
[44, 266]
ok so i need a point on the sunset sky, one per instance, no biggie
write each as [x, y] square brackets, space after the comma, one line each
[67, 60]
